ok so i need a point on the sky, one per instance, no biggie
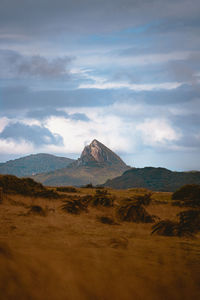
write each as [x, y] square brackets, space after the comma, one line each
[126, 73]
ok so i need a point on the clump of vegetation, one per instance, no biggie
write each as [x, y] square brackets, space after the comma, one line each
[187, 195]
[37, 210]
[102, 198]
[166, 227]
[88, 186]
[106, 220]
[87, 199]
[188, 225]
[74, 206]
[25, 186]
[144, 199]
[66, 189]
[190, 220]
[134, 212]
[50, 194]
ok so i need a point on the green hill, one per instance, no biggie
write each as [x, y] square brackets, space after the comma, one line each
[34, 164]
[156, 179]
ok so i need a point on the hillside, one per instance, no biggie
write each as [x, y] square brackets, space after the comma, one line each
[96, 164]
[34, 164]
[49, 253]
[157, 179]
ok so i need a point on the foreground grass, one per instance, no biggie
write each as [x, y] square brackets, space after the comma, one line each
[63, 256]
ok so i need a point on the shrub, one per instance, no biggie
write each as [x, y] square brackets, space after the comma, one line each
[188, 224]
[166, 227]
[190, 220]
[37, 210]
[67, 189]
[88, 186]
[102, 198]
[134, 212]
[25, 186]
[74, 206]
[106, 220]
[50, 194]
[189, 194]
[144, 199]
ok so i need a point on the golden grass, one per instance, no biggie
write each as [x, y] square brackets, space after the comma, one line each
[63, 256]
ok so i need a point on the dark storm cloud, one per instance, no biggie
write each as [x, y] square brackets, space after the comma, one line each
[21, 98]
[13, 64]
[181, 95]
[42, 104]
[89, 15]
[41, 114]
[186, 70]
[34, 134]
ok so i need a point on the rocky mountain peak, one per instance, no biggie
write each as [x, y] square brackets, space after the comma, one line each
[96, 152]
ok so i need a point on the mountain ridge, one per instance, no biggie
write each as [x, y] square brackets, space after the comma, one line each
[156, 179]
[96, 164]
[34, 164]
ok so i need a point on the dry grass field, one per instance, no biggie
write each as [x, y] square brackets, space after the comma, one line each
[50, 254]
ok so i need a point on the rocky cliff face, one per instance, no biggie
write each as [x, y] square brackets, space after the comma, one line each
[98, 153]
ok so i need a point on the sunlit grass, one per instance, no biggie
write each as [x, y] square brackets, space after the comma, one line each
[66, 256]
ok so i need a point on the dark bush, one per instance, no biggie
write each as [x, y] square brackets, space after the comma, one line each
[134, 212]
[67, 189]
[189, 194]
[88, 186]
[106, 220]
[74, 206]
[87, 199]
[50, 194]
[190, 220]
[37, 210]
[25, 186]
[144, 199]
[166, 227]
[188, 225]
[102, 198]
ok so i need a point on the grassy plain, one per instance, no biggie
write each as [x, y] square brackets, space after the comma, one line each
[62, 256]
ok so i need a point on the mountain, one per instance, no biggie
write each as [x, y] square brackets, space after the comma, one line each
[156, 179]
[96, 164]
[33, 164]
[97, 153]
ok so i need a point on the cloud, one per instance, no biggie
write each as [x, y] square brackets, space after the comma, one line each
[14, 64]
[10, 147]
[3, 123]
[186, 70]
[22, 98]
[157, 132]
[43, 16]
[42, 114]
[134, 87]
[33, 134]
[134, 84]
[108, 129]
